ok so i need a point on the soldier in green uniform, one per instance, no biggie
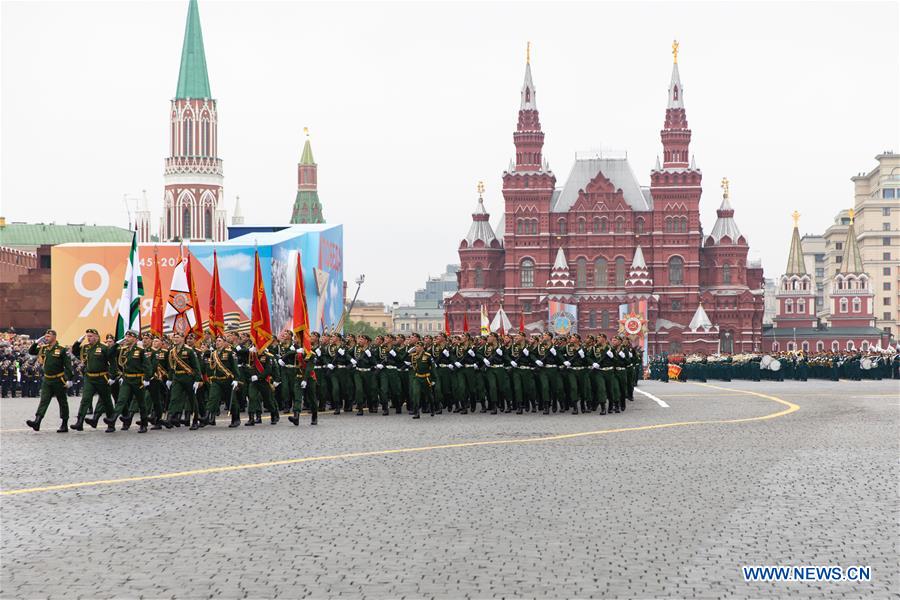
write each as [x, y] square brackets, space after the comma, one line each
[134, 368]
[571, 361]
[223, 371]
[522, 366]
[284, 352]
[620, 362]
[96, 358]
[184, 373]
[305, 374]
[422, 366]
[57, 366]
[598, 360]
[387, 363]
[495, 375]
[261, 388]
[157, 390]
[362, 362]
[330, 357]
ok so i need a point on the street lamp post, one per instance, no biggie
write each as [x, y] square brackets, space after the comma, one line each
[359, 281]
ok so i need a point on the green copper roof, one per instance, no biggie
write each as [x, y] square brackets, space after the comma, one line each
[193, 80]
[852, 262]
[307, 208]
[50, 234]
[307, 157]
[796, 265]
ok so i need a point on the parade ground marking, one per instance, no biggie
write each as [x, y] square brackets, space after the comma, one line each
[652, 397]
[790, 408]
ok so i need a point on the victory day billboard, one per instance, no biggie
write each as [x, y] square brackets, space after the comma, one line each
[86, 279]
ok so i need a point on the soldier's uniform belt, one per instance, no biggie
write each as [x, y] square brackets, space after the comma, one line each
[619, 368]
[98, 374]
[528, 368]
[219, 378]
[497, 367]
[423, 375]
[606, 368]
[578, 368]
[57, 376]
[470, 366]
[184, 372]
[551, 366]
[392, 367]
[363, 370]
[444, 366]
[340, 366]
[134, 374]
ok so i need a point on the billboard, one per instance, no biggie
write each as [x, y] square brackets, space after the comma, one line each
[563, 318]
[86, 279]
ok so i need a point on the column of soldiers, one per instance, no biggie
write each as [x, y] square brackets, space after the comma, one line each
[179, 381]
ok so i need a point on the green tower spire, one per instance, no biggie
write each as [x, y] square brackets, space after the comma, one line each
[307, 157]
[193, 80]
[307, 207]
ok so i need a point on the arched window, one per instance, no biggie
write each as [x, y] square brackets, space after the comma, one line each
[581, 272]
[205, 147]
[676, 270]
[604, 225]
[789, 306]
[820, 346]
[851, 345]
[639, 226]
[479, 277]
[864, 345]
[843, 305]
[534, 226]
[801, 306]
[857, 305]
[604, 319]
[186, 223]
[188, 137]
[526, 273]
[790, 347]
[518, 225]
[668, 225]
[726, 273]
[601, 273]
[596, 224]
[592, 319]
[620, 224]
[805, 346]
[775, 346]
[561, 226]
[620, 272]
[581, 224]
[835, 346]
[684, 224]
[169, 221]
[207, 225]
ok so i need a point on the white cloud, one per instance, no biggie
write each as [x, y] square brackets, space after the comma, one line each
[245, 304]
[236, 262]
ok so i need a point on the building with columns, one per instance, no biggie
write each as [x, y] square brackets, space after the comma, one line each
[601, 239]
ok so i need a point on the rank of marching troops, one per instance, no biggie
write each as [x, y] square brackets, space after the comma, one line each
[178, 382]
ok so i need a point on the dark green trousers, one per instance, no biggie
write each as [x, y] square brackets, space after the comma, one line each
[95, 386]
[53, 388]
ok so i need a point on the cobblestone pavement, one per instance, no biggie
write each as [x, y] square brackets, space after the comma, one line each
[634, 513]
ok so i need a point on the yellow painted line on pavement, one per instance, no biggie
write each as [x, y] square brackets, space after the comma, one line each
[790, 407]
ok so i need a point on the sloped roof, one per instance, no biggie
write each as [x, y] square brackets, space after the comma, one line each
[725, 223]
[481, 227]
[193, 79]
[700, 320]
[617, 170]
[852, 261]
[51, 234]
[796, 265]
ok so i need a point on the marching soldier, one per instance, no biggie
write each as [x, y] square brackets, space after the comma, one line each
[223, 373]
[157, 390]
[601, 367]
[388, 364]
[57, 367]
[305, 374]
[422, 365]
[134, 368]
[96, 358]
[261, 387]
[619, 360]
[184, 373]
[363, 361]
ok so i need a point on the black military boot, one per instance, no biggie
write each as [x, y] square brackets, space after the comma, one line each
[295, 418]
[603, 408]
[416, 414]
[142, 426]
[211, 420]
[64, 428]
[337, 410]
[157, 424]
[93, 421]
[126, 422]
[274, 418]
[360, 412]
[175, 419]
[79, 424]
[575, 408]
[36, 423]
[250, 421]
[235, 420]
[258, 417]
[315, 417]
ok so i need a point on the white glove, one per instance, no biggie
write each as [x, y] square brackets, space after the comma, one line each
[276, 384]
[254, 378]
[238, 347]
[525, 351]
[499, 352]
[553, 351]
[330, 366]
[539, 363]
[458, 365]
[609, 353]
[234, 385]
[68, 384]
[353, 361]
[368, 353]
[121, 380]
[303, 385]
[392, 353]
[379, 366]
[471, 353]
[280, 362]
[487, 363]
[513, 363]
[621, 354]
[318, 352]
[112, 381]
[581, 353]
[341, 351]
[252, 348]
[567, 363]
[292, 348]
[169, 384]
[595, 366]
[446, 352]
[146, 383]
[450, 367]
[196, 385]
[407, 363]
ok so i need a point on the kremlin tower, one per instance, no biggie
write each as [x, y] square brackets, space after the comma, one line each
[307, 208]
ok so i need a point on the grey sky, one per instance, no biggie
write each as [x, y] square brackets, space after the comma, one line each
[409, 105]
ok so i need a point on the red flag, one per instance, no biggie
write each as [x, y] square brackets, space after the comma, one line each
[216, 314]
[522, 322]
[465, 323]
[156, 315]
[197, 328]
[301, 315]
[260, 324]
[446, 322]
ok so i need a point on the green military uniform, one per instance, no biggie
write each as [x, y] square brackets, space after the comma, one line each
[261, 388]
[601, 367]
[184, 371]
[363, 362]
[157, 392]
[522, 377]
[223, 374]
[96, 359]
[57, 366]
[422, 366]
[620, 370]
[388, 363]
[305, 375]
[134, 367]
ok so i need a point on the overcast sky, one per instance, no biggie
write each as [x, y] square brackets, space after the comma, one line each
[410, 104]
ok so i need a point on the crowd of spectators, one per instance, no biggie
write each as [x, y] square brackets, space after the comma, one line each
[20, 372]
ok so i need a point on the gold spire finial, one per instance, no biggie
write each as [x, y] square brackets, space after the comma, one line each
[306, 131]
[724, 186]
[852, 215]
[528, 53]
[480, 189]
[796, 216]
[675, 51]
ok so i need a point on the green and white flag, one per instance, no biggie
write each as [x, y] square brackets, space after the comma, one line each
[130, 303]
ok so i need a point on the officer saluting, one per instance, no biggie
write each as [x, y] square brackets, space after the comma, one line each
[96, 358]
[57, 366]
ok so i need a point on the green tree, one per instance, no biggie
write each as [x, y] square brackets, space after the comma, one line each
[363, 328]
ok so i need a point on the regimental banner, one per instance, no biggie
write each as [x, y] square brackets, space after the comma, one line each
[633, 323]
[86, 279]
[563, 318]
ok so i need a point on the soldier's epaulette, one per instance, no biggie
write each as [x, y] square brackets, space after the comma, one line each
[426, 354]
